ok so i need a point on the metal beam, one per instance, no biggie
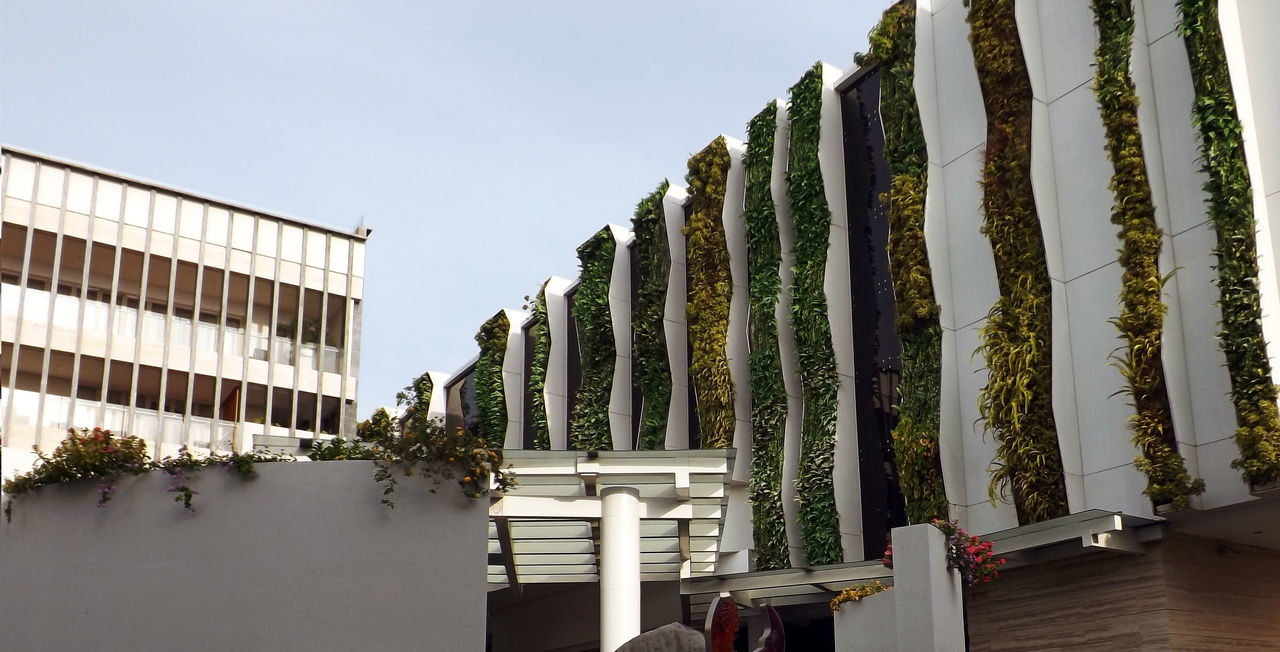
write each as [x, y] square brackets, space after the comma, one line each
[508, 557]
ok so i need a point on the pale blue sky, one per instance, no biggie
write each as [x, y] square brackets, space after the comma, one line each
[482, 141]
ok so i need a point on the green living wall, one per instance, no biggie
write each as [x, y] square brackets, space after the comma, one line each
[1142, 310]
[1231, 212]
[768, 395]
[1016, 405]
[650, 367]
[915, 438]
[491, 402]
[540, 333]
[819, 522]
[710, 288]
[589, 422]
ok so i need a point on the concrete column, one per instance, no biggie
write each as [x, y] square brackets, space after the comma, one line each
[927, 596]
[619, 566]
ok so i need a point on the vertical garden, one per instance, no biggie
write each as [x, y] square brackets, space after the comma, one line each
[491, 402]
[589, 422]
[650, 367]
[540, 335]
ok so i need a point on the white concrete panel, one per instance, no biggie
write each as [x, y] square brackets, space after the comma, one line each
[104, 231]
[675, 324]
[1083, 175]
[1223, 484]
[52, 181]
[556, 387]
[165, 214]
[1027, 13]
[16, 211]
[268, 235]
[959, 96]
[291, 243]
[973, 272]
[1067, 53]
[1044, 188]
[20, 176]
[1173, 359]
[735, 231]
[107, 202]
[1160, 17]
[1179, 142]
[436, 406]
[620, 320]
[950, 431]
[925, 84]
[137, 206]
[216, 224]
[936, 242]
[75, 225]
[190, 219]
[1064, 394]
[80, 193]
[513, 385]
[979, 447]
[1208, 381]
[1118, 489]
[1103, 414]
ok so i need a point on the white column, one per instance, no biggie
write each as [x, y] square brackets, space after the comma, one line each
[619, 566]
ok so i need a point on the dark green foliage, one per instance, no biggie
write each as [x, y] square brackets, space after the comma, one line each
[541, 336]
[818, 519]
[915, 438]
[491, 402]
[650, 367]
[589, 423]
[1142, 310]
[1231, 212]
[710, 288]
[1016, 405]
[379, 427]
[768, 395]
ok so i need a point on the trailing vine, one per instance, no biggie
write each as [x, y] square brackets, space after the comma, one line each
[652, 266]
[815, 492]
[1016, 405]
[589, 423]
[1231, 212]
[710, 288]
[915, 438]
[491, 402]
[1142, 311]
[768, 395]
[540, 333]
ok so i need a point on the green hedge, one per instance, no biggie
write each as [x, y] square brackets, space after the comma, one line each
[589, 423]
[915, 438]
[491, 402]
[1231, 211]
[1142, 311]
[651, 369]
[819, 522]
[1016, 405]
[768, 395]
[540, 333]
[710, 288]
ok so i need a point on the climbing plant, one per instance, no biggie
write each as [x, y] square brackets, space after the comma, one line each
[710, 288]
[768, 395]
[540, 333]
[589, 423]
[915, 438]
[1142, 311]
[819, 522]
[1231, 212]
[491, 402]
[651, 269]
[1016, 405]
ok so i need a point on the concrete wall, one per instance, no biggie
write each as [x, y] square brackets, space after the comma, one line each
[303, 557]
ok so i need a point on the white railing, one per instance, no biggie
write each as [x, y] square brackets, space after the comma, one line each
[146, 424]
[113, 418]
[152, 327]
[307, 355]
[207, 338]
[180, 333]
[332, 359]
[198, 434]
[126, 322]
[171, 429]
[66, 312]
[282, 353]
[95, 318]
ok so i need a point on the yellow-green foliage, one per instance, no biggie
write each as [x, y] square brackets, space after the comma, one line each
[1142, 310]
[710, 288]
[819, 522]
[650, 366]
[1231, 211]
[768, 395]
[1017, 403]
[589, 422]
[915, 438]
[491, 402]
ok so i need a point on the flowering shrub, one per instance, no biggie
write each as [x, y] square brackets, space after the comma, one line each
[178, 467]
[972, 557]
[858, 592]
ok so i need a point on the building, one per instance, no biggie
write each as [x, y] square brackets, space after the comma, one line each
[897, 299]
[179, 318]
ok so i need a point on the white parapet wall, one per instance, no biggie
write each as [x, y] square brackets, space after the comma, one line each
[513, 381]
[556, 388]
[620, 317]
[675, 323]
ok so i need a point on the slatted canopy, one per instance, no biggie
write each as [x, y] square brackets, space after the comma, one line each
[546, 528]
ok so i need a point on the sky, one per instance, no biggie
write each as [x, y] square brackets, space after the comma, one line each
[481, 141]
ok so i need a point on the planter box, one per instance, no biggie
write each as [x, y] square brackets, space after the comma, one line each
[301, 557]
[1266, 490]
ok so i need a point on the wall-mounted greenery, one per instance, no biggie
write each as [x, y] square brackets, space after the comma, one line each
[589, 423]
[491, 402]
[915, 438]
[818, 519]
[1231, 211]
[1142, 311]
[650, 367]
[710, 288]
[540, 333]
[768, 395]
[1017, 403]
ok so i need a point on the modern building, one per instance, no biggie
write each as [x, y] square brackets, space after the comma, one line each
[179, 318]
[897, 299]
